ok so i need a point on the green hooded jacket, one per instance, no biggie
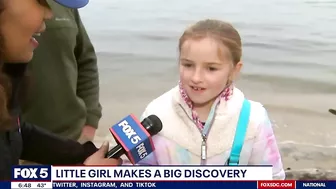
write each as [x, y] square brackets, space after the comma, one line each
[63, 95]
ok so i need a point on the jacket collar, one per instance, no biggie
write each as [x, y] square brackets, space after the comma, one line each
[221, 133]
[225, 108]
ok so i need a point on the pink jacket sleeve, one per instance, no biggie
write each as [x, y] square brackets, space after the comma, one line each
[265, 149]
[159, 156]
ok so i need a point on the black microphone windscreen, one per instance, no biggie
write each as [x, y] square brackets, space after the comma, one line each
[152, 124]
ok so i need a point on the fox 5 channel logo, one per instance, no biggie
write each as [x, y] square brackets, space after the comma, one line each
[27, 173]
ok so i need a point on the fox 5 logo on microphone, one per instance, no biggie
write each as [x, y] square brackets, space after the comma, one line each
[31, 172]
[133, 137]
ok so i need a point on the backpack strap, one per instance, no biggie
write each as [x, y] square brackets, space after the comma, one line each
[239, 138]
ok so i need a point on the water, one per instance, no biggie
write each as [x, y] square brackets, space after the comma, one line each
[285, 38]
[288, 49]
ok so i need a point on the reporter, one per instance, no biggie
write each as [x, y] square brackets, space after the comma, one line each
[19, 22]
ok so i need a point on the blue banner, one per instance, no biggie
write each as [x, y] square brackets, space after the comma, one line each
[31, 172]
[5, 185]
[161, 185]
[315, 184]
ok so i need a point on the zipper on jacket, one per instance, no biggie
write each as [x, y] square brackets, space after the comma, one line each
[204, 150]
[204, 140]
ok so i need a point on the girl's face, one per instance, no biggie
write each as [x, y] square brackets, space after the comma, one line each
[20, 21]
[205, 69]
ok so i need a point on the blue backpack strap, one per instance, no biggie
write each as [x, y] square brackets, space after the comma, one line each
[239, 138]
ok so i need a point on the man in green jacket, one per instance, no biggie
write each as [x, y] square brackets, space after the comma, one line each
[63, 96]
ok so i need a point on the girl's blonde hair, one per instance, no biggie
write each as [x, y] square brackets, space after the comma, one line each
[221, 31]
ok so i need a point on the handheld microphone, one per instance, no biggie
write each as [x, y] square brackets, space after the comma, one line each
[134, 138]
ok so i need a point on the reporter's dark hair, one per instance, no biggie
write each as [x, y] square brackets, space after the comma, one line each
[5, 87]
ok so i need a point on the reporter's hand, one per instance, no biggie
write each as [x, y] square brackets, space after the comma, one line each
[98, 158]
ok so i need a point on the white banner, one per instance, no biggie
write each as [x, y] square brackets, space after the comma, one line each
[160, 173]
[30, 185]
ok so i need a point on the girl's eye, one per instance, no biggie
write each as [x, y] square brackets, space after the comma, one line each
[188, 65]
[212, 69]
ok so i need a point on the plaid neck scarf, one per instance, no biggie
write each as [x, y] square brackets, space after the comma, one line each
[224, 95]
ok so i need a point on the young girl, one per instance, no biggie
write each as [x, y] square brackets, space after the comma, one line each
[206, 119]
